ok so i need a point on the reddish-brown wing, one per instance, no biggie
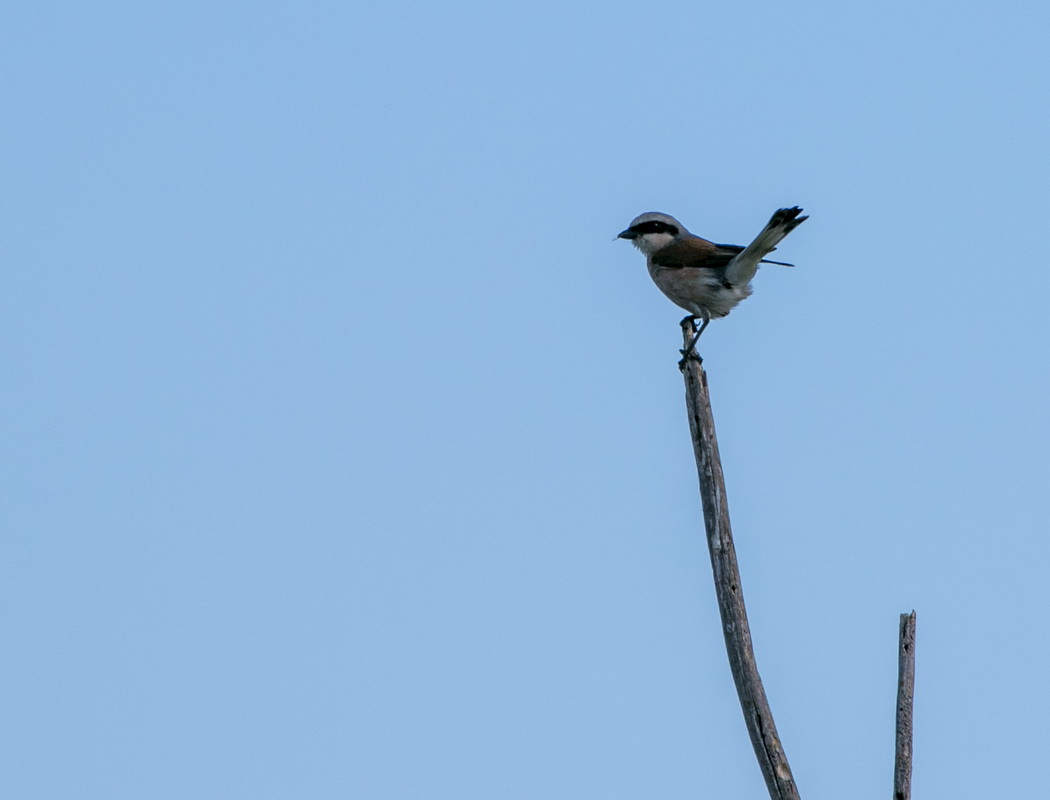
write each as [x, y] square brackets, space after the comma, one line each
[694, 253]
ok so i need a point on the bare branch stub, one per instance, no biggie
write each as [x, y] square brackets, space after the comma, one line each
[757, 715]
[905, 702]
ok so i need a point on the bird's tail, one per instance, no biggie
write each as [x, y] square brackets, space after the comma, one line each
[744, 266]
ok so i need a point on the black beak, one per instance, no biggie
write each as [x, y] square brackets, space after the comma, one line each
[627, 234]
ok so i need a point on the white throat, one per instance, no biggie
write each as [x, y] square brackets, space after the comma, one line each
[649, 243]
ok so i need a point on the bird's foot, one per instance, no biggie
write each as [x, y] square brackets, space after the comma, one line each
[689, 355]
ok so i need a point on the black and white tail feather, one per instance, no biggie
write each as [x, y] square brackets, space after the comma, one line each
[743, 268]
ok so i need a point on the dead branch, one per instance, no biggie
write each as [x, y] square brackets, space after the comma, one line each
[757, 715]
[905, 693]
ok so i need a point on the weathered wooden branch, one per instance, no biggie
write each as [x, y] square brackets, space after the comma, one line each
[757, 715]
[905, 694]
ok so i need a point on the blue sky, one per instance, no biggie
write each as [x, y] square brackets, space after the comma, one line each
[345, 452]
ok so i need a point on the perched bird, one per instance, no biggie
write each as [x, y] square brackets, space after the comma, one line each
[704, 278]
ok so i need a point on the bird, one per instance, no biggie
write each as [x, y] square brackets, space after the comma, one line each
[706, 279]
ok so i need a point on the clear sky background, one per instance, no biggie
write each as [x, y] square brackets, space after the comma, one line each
[345, 454]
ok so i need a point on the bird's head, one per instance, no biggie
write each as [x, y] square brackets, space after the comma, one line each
[653, 231]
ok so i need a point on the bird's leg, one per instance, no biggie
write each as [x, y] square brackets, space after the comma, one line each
[685, 324]
[690, 352]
